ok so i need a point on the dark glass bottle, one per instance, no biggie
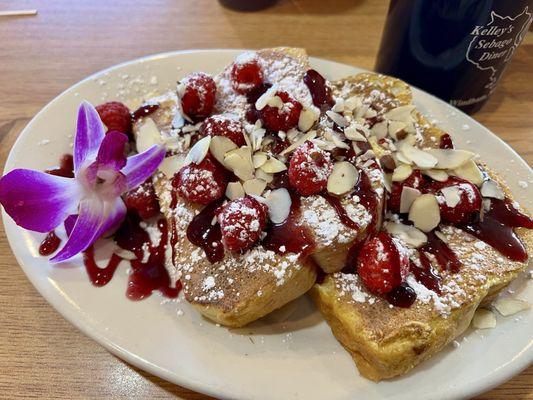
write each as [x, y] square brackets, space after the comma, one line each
[455, 49]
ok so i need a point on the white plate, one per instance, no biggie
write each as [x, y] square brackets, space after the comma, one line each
[297, 358]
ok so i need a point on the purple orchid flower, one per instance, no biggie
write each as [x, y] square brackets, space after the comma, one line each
[40, 202]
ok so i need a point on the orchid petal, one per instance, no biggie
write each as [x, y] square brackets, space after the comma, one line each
[95, 219]
[89, 134]
[38, 201]
[116, 211]
[111, 152]
[69, 223]
[84, 233]
[141, 166]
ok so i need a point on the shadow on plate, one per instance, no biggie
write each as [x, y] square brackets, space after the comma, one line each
[297, 315]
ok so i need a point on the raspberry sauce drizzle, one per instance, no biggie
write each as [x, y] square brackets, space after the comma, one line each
[202, 233]
[340, 210]
[290, 235]
[65, 169]
[320, 92]
[152, 274]
[99, 276]
[445, 256]
[426, 275]
[144, 111]
[496, 229]
[368, 199]
[49, 244]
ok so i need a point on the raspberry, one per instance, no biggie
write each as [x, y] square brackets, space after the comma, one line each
[198, 98]
[383, 263]
[246, 76]
[115, 116]
[241, 222]
[470, 199]
[283, 119]
[415, 181]
[309, 169]
[220, 125]
[143, 200]
[201, 183]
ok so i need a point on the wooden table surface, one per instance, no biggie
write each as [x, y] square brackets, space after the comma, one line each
[41, 355]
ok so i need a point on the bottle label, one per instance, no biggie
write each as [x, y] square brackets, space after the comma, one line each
[492, 46]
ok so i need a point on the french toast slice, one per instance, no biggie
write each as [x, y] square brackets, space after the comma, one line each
[244, 287]
[240, 288]
[384, 340]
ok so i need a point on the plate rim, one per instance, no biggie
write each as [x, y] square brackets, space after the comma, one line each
[469, 389]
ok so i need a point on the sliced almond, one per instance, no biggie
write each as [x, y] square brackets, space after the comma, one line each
[262, 101]
[484, 319]
[275, 101]
[409, 234]
[339, 104]
[450, 158]
[178, 121]
[338, 142]
[424, 212]
[191, 128]
[395, 127]
[469, 171]
[380, 130]
[407, 197]
[234, 190]
[402, 159]
[170, 165]
[259, 173]
[343, 178]
[436, 174]
[441, 236]
[490, 188]
[198, 152]
[308, 136]
[402, 114]
[421, 158]
[452, 196]
[240, 162]
[401, 173]
[254, 186]
[370, 113]
[307, 119]
[279, 205]
[506, 306]
[256, 138]
[353, 132]
[147, 135]
[219, 146]
[273, 165]
[410, 128]
[337, 118]
[259, 159]
[353, 102]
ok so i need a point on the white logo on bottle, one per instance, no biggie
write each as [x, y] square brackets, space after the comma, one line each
[494, 43]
